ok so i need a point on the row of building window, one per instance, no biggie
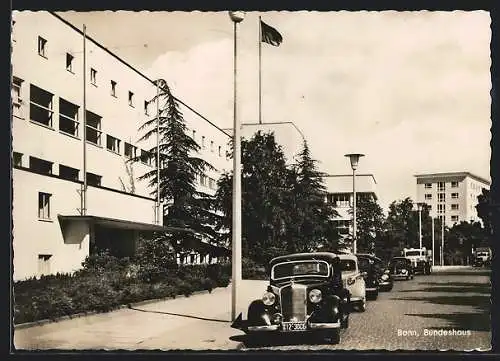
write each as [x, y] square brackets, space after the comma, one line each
[42, 51]
[441, 208]
[441, 186]
[441, 196]
[344, 200]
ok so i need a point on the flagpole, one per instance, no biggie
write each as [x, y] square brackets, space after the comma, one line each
[260, 70]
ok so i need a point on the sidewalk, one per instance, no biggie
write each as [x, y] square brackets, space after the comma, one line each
[199, 322]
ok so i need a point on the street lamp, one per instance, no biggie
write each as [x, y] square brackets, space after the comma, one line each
[236, 17]
[354, 159]
[419, 208]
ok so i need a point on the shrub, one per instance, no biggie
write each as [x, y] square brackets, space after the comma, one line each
[185, 288]
[252, 270]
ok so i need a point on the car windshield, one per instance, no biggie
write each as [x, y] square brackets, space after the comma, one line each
[482, 254]
[348, 265]
[412, 253]
[399, 262]
[300, 268]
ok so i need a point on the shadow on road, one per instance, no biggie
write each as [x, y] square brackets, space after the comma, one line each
[288, 339]
[180, 315]
[481, 302]
[462, 321]
[466, 288]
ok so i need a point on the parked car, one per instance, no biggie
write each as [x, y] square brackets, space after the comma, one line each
[305, 294]
[401, 268]
[386, 282]
[353, 281]
[371, 275]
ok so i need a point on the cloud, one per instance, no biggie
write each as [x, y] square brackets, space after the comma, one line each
[411, 89]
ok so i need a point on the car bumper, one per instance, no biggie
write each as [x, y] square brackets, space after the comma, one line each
[310, 327]
[385, 284]
[356, 299]
[371, 289]
[399, 276]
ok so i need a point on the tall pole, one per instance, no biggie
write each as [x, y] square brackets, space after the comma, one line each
[420, 226]
[84, 130]
[236, 17]
[157, 152]
[433, 254]
[354, 226]
[442, 241]
[260, 70]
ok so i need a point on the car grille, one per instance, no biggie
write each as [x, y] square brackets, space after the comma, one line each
[294, 303]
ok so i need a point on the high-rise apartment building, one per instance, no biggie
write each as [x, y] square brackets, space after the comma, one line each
[54, 227]
[451, 196]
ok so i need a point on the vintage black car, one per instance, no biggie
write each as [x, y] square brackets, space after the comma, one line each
[401, 268]
[386, 282]
[368, 269]
[305, 294]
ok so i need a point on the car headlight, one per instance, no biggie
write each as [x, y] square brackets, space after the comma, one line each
[404, 271]
[315, 296]
[385, 277]
[268, 298]
[350, 281]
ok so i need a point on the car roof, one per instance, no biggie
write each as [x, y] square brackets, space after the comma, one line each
[368, 255]
[400, 258]
[348, 256]
[325, 256]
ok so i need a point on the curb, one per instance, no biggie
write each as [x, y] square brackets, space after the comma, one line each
[21, 326]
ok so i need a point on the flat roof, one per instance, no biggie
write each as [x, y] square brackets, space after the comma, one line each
[453, 174]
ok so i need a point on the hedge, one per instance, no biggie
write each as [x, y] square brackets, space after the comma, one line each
[105, 283]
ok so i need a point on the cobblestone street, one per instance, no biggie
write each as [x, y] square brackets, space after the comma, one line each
[401, 319]
[397, 320]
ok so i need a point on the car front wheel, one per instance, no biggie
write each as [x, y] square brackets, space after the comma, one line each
[362, 306]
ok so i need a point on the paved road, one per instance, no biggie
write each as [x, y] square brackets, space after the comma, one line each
[404, 318]
[455, 300]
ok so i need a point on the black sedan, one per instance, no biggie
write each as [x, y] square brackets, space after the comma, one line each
[368, 268]
[401, 268]
[385, 282]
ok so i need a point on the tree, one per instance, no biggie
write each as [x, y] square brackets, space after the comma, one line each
[179, 166]
[310, 217]
[370, 223]
[264, 194]
[484, 210]
[461, 238]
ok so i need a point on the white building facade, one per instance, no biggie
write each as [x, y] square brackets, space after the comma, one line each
[340, 195]
[452, 196]
[51, 231]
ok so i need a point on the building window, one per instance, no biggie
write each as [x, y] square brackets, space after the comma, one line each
[211, 183]
[17, 159]
[44, 264]
[93, 132]
[454, 196]
[146, 157]
[428, 185]
[41, 106]
[68, 173]
[93, 76]
[69, 62]
[16, 96]
[212, 146]
[454, 207]
[339, 200]
[441, 186]
[113, 144]
[68, 117]
[42, 47]
[94, 179]
[113, 88]
[441, 197]
[146, 107]
[130, 151]
[203, 141]
[203, 180]
[440, 208]
[454, 218]
[40, 166]
[44, 205]
[441, 218]
[131, 99]
[428, 197]
[429, 207]
[454, 184]
[220, 151]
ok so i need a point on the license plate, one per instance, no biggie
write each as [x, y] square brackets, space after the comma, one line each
[294, 326]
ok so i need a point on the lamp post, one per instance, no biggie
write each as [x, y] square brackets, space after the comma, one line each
[236, 17]
[354, 159]
[419, 208]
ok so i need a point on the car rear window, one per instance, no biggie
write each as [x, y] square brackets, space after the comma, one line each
[348, 265]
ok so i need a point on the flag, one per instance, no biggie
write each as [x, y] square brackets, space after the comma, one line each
[270, 35]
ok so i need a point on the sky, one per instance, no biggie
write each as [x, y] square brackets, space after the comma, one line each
[410, 90]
